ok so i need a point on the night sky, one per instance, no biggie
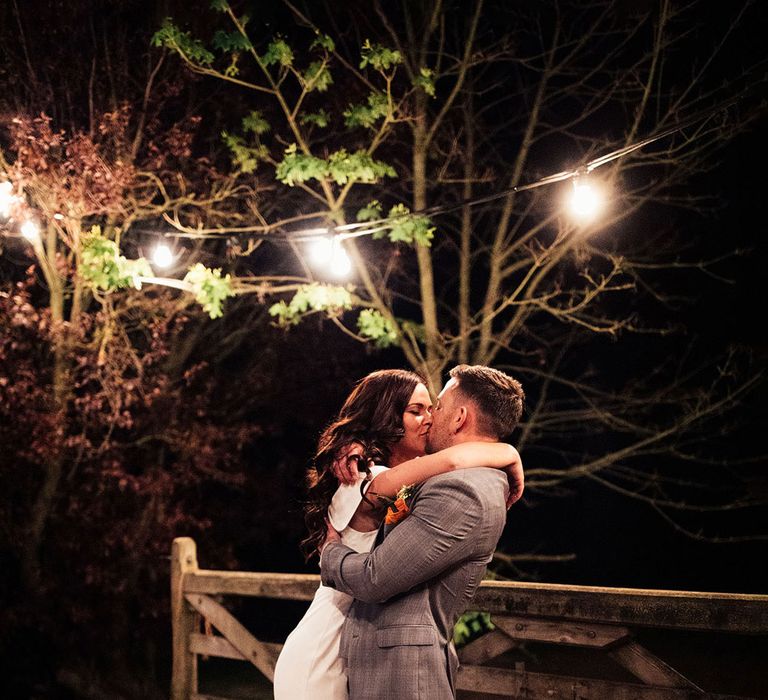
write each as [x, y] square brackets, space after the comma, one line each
[622, 543]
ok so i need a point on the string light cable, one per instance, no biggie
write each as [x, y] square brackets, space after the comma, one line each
[327, 248]
[366, 228]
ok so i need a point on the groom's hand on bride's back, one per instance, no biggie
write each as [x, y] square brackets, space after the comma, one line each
[345, 466]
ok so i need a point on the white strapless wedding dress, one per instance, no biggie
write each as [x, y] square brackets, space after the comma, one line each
[309, 667]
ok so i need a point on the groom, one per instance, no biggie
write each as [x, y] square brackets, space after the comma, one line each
[411, 589]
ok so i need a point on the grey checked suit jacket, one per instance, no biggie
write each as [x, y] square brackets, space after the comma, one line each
[411, 589]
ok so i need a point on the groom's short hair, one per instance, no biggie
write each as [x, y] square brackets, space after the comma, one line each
[497, 396]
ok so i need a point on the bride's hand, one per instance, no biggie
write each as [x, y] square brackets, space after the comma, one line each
[345, 465]
[330, 536]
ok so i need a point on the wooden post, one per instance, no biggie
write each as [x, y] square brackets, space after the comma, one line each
[184, 620]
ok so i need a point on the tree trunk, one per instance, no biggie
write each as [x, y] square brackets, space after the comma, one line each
[434, 361]
[465, 244]
[41, 509]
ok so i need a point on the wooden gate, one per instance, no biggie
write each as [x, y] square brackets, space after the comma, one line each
[579, 616]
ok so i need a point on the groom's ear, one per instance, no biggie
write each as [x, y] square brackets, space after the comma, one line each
[460, 420]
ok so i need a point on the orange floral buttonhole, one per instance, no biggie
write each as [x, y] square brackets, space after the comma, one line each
[399, 507]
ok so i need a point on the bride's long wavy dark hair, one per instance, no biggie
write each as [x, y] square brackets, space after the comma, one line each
[372, 415]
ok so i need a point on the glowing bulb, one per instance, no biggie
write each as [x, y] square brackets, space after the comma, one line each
[31, 231]
[162, 256]
[58, 217]
[340, 262]
[6, 198]
[321, 251]
[585, 201]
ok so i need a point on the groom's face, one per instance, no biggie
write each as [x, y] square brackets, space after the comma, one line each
[440, 435]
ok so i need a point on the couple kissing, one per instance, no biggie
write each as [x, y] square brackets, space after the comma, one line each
[407, 502]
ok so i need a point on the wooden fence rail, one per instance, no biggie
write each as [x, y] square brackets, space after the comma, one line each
[603, 619]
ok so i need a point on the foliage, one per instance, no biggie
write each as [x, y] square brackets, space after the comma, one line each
[309, 298]
[244, 157]
[231, 41]
[470, 626]
[321, 118]
[341, 167]
[406, 228]
[374, 325]
[171, 37]
[278, 52]
[323, 41]
[426, 81]
[106, 179]
[317, 77]
[255, 123]
[402, 226]
[371, 212]
[346, 167]
[138, 444]
[379, 57]
[300, 167]
[105, 268]
[210, 288]
[366, 115]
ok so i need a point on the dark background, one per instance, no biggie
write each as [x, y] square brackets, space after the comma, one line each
[616, 541]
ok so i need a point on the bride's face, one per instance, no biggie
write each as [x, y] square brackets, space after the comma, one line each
[417, 421]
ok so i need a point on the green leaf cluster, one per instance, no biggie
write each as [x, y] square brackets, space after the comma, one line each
[171, 37]
[407, 228]
[366, 115]
[359, 166]
[426, 81]
[219, 5]
[279, 52]
[323, 41]
[255, 123]
[341, 167]
[103, 267]
[331, 299]
[317, 77]
[320, 118]
[244, 157]
[231, 41]
[379, 57]
[470, 626]
[300, 167]
[374, 325]
[371, 212]
[209, 287]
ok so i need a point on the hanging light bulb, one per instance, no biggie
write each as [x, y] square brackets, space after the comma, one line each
[340, 262]
[585, 201]
[31, 231]
[162, 256]
[6, 198]
[321, 250]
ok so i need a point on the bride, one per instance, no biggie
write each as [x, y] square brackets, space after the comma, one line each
[384, 421]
